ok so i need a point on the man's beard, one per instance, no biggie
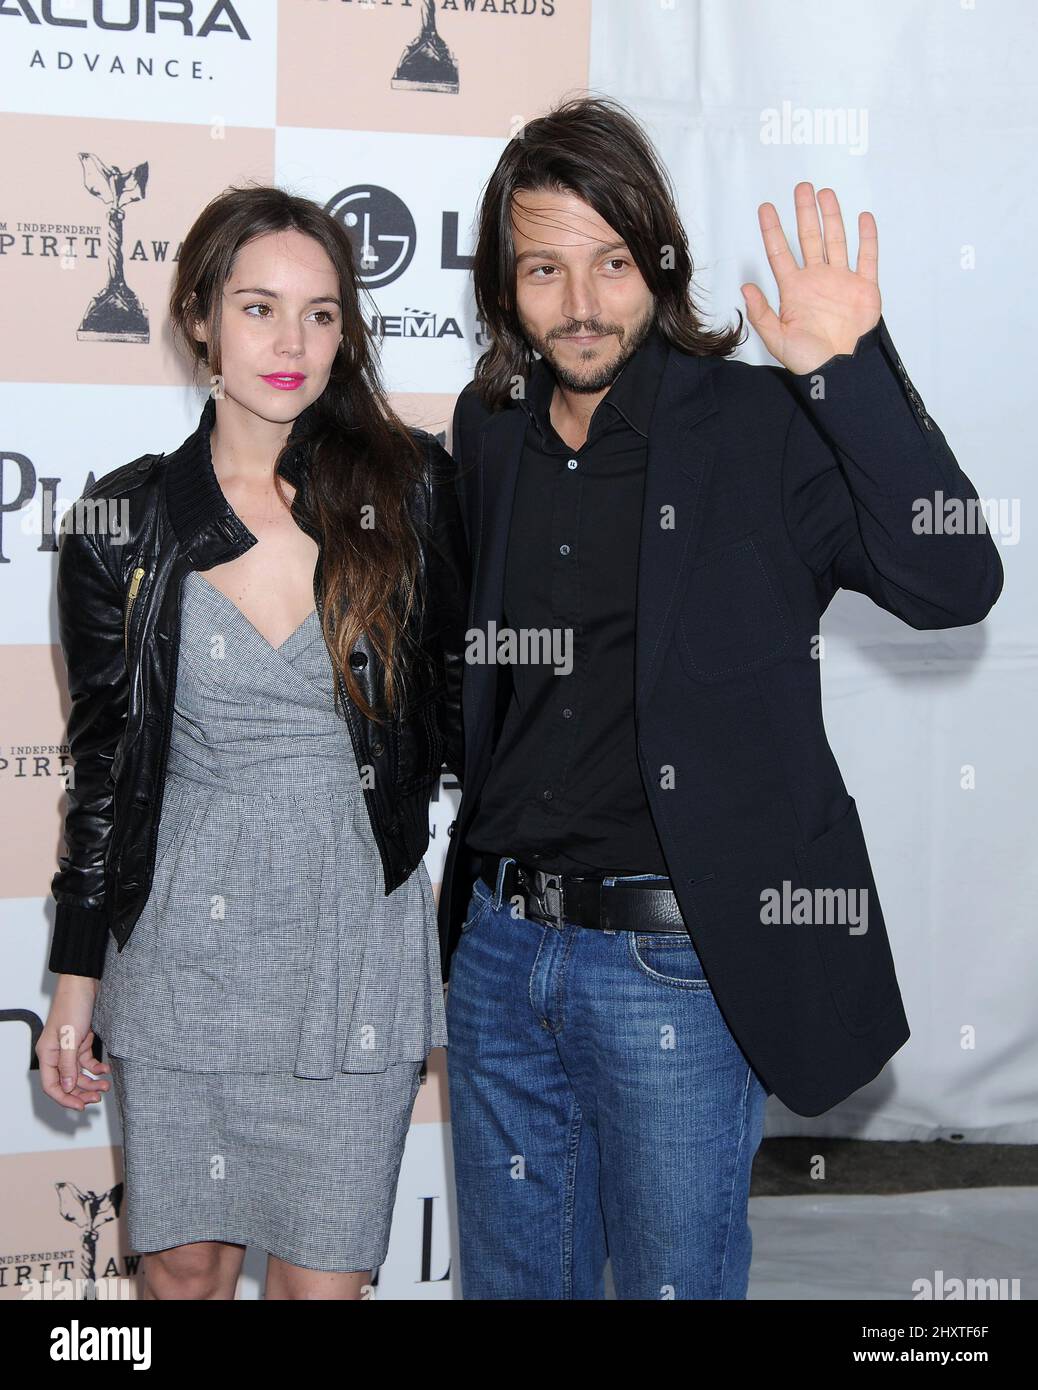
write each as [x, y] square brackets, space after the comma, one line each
[603, 374]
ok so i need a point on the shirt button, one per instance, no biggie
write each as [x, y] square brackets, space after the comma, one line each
[572, 463]
[563, 549]
[546, 794]
[566, 713]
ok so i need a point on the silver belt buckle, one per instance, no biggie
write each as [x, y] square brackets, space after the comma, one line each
[549, 891]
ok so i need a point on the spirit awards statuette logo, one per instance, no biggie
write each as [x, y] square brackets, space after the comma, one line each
[427, 64]
[89, 1211]
[115, 314]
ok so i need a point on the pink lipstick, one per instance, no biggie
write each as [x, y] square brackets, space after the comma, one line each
[285, 381]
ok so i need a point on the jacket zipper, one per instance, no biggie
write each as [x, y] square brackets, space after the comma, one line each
[135, 584]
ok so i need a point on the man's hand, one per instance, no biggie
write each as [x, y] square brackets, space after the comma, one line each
[824, 306]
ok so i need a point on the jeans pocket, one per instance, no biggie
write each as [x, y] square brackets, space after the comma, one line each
[481, 900]
[669, 958]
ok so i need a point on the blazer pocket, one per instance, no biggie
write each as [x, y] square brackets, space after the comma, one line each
[847, 923]
[734, 617]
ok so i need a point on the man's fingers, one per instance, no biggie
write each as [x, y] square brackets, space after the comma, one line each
[780, 257]
[832, 220]
[868, 247]
[762, 316]
[808, 227]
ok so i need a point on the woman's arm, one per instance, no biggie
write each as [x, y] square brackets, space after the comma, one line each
[90, 624]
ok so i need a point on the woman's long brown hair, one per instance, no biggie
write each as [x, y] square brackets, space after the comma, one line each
[361, 455]
[593, 147]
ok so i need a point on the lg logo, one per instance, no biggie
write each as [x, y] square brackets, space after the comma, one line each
[381, 228]
[384, 236]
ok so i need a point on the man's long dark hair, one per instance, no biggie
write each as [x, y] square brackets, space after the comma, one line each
[360, 454]
[593, 147]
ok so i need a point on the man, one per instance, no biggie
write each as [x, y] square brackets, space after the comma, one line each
[670, 908]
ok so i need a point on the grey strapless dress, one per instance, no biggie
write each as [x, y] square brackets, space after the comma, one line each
[267, 1019]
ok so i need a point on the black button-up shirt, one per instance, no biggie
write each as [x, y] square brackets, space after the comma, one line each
[564, 789]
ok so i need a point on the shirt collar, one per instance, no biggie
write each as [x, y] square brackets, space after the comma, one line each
[632, 394]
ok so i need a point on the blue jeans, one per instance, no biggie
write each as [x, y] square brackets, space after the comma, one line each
[599, 1106]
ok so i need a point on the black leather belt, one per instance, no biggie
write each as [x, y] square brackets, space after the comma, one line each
[646, 906]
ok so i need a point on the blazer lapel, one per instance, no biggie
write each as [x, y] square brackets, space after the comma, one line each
[494, 479]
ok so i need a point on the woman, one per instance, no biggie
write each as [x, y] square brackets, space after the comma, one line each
[244, 914]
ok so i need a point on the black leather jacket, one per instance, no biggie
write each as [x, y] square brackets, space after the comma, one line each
[119, 601]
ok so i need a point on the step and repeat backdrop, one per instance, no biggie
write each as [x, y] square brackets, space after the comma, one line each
[122, 118]
[121, 121]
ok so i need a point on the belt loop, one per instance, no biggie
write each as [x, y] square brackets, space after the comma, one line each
[499, 886]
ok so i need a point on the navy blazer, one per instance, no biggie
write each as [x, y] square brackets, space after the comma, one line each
[765, 492]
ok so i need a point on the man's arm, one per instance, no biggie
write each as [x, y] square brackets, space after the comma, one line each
[861, 454]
